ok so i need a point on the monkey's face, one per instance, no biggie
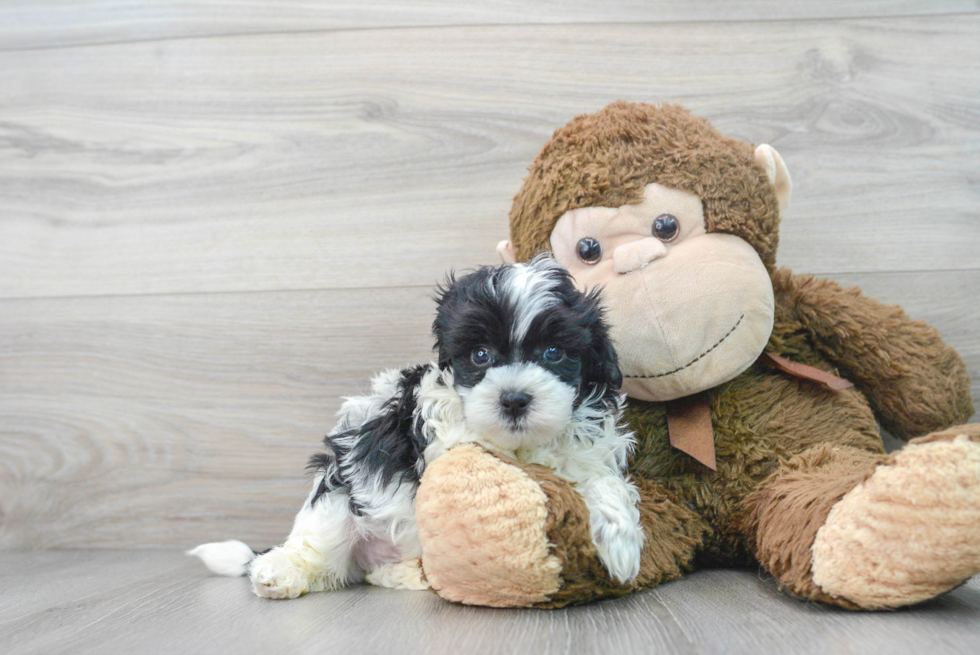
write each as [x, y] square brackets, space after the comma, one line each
[688, 309]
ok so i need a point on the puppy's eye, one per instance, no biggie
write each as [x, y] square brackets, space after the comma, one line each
[666, 227]
[553, 354]
[589, 250]
[481, 357]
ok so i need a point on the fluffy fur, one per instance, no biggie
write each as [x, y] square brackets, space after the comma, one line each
[790, 453]
[526, 369]
[606, 159]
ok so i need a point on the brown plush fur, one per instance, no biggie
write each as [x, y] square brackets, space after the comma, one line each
[787, 449]
[607, 158]
[970, 430]
[915, 383]
[673, 534]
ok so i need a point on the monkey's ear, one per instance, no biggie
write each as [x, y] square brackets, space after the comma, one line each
[505, 250]
[767, 157]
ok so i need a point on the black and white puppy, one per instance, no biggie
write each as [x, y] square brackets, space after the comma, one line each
[526, 367]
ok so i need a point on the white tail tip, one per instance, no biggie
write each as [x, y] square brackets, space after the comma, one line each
[230, 557]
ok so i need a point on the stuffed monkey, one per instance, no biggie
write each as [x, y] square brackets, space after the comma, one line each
[751, 446]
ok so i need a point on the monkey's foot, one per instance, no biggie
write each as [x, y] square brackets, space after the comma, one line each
[909, 532]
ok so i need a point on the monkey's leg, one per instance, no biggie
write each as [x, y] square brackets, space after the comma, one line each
[870, 531]
[501, 533]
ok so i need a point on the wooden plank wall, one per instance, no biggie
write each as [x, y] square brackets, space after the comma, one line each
[216, 219]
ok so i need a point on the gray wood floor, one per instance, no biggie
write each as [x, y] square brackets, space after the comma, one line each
[107, 602]
[217, 218]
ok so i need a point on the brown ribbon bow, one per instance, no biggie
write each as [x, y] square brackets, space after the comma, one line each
[689, 418]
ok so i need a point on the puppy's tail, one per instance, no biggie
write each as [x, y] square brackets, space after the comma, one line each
[230, 557]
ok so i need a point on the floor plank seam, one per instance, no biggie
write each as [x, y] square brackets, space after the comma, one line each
[293, 290]
[228, 292]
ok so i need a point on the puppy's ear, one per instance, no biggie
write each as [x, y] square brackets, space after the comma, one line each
[614, 376]
[452, 296]
[602, 367]
[447, 299]
[605, 365]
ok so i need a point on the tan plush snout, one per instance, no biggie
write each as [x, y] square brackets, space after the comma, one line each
[633, 255]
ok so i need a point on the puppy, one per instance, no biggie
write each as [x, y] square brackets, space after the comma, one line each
[526, 368]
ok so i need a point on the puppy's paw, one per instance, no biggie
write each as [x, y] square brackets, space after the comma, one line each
[618, 546]
[399, 575]
[616, 530]
[273, 575]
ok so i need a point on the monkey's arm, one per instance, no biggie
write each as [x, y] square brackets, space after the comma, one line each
[916, 383]
[499, 532]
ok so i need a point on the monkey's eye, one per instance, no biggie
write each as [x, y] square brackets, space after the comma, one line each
[589, 250]
[553, 354]
[481, 357]
[666, 227]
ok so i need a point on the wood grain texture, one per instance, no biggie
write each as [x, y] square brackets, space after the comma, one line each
[56, 23]
[372, 158]
[161, 602]
[206, 242]
[136, 421]
[145, 421]
[217, 218]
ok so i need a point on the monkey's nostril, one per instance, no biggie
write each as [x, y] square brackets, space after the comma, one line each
[515, 403]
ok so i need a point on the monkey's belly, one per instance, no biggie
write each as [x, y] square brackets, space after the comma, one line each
[759, 418]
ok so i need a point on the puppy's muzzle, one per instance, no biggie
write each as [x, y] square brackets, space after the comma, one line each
[514, 404]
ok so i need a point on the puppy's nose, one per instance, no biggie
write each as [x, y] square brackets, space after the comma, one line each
[514, 403]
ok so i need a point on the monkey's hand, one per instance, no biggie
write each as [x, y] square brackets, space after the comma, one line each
[503, 533]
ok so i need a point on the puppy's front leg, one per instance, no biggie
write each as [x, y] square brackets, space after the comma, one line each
[317, 556]
[615, 520]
